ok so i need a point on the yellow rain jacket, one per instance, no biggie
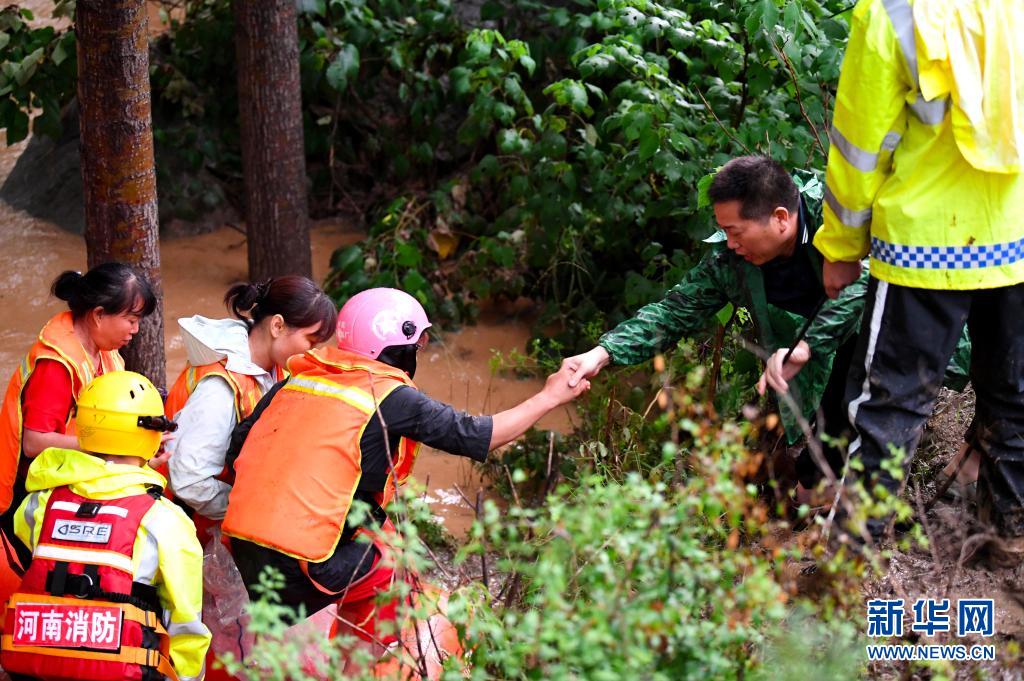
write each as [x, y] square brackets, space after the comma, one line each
[167, 553]
[927, 139]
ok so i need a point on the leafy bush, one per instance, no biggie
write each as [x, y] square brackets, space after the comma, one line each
[587, 141]
[39, 72]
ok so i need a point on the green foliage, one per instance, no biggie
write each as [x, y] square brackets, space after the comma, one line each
[37, 76]
[580, 180]
[647, 587]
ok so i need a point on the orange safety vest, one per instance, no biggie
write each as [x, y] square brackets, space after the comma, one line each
[58, 342]
[78, 614]
[300, 466]
[246, 389]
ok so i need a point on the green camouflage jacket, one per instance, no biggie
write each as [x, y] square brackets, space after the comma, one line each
[723, 277]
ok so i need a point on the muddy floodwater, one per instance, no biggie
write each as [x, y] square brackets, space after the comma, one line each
[196, 272]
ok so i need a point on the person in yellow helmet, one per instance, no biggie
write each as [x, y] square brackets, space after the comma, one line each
[109, 552]
[924, 175]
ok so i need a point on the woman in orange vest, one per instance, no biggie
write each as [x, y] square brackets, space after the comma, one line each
[231, 364]
[105, 306]
[347, 424]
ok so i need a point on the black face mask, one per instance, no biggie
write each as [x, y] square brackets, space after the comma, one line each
[401, 357]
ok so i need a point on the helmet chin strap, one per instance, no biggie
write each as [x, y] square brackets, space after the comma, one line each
[401, 357]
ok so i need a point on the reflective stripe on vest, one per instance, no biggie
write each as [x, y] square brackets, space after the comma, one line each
[849, 217]
[93, 557]
[861, 159]
[360, 399]
[901, 15]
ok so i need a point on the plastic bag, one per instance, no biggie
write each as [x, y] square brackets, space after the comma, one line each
[225, 601]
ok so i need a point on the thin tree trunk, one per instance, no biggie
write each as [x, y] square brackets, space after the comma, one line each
[118, 173]
[273, 155]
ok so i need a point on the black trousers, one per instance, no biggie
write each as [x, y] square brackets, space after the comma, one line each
[907, 338]
[320, 584]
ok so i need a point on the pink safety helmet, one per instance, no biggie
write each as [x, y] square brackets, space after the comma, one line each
[378, 318]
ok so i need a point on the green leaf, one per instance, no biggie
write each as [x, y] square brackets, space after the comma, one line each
[27, 67]
[414, 283]
[343, 68]
[407, 254]
[725, 314]
[650, 141]
[769, 14]
[48, 122]
[526, 61]
[347, 260]
[459, 79]
[504, 113]
[478, 47]
[590, 134]
[575, 96]
[703, 184]
[5, 38]
[59, 54]
[510, 141]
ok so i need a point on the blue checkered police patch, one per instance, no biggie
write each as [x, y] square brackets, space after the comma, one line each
[947, 257]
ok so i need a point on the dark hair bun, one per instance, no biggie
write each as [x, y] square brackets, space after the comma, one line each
[67, 285]
[113, 286]
[299, 301]
[241, 299]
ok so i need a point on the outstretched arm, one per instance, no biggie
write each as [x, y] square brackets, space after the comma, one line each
[511, 423]
[658, 326]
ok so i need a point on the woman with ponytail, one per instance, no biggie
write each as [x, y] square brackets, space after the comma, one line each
[232, 363]
[105, 306]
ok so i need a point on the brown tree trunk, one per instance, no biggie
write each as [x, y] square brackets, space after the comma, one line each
[119, 178]
[273, 155]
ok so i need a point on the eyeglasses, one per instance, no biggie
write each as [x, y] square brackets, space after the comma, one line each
[423, 340]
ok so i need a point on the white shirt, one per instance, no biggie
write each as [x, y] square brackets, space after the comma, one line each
[205, 423]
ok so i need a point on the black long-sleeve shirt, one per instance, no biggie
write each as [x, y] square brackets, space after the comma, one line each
[405, 412]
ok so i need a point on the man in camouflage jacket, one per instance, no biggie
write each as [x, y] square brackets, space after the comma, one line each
[763, 260]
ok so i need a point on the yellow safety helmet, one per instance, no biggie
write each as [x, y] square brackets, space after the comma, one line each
[121, 413]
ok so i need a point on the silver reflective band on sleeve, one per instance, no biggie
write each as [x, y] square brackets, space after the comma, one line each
[930, 113]
[850, 218]
[30, 514]
[861, 159]
[901, 15]
[194, 628]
